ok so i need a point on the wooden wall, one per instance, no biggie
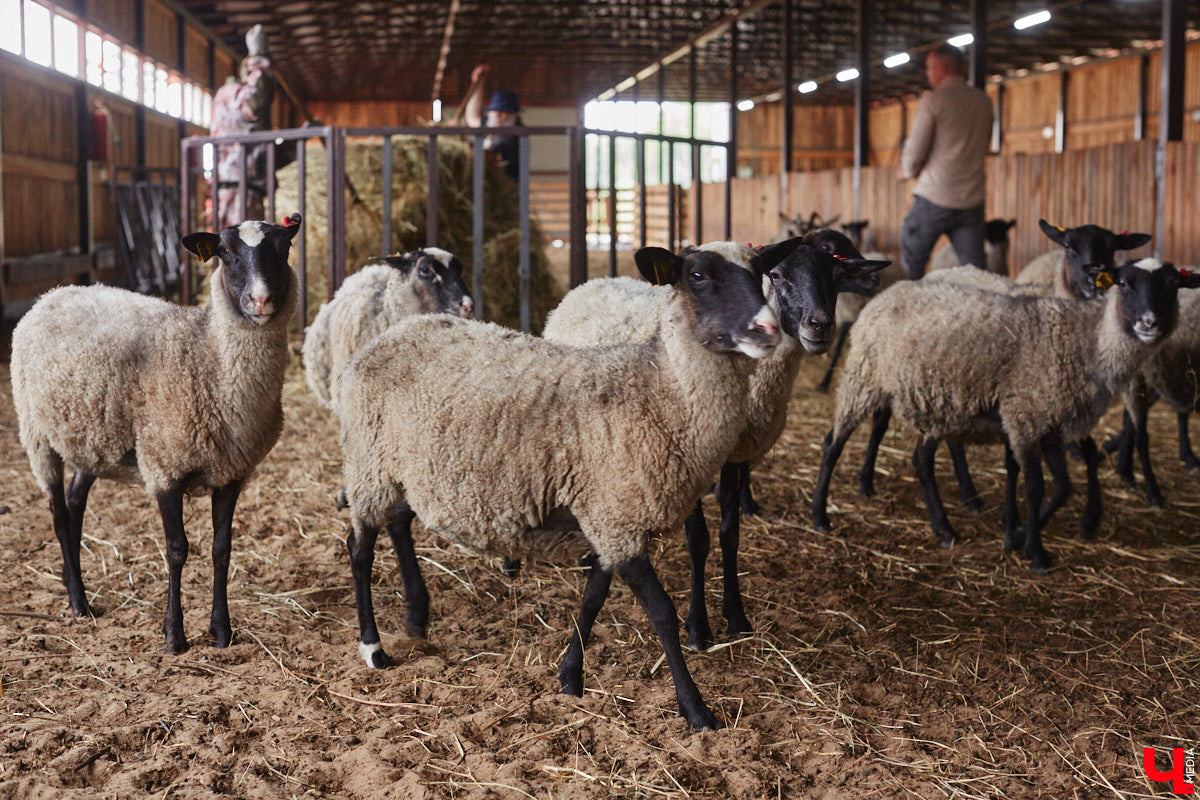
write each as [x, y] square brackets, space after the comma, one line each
[823, 137]
[372, 114]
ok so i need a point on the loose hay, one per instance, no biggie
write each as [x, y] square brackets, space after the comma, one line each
[882, 666]
[364, 219]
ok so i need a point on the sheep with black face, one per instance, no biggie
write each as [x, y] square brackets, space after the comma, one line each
[123, 386]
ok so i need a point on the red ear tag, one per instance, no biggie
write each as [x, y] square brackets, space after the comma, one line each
[1124, 232]
[290, 222]
[1185, 272]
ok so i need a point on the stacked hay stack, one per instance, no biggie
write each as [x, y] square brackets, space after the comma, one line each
[364, 219]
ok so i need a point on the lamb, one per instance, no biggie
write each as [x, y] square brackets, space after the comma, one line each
[802, 292]
[617, 443]
[1070, 272]
[1170, 374]
[132, 388]
[995, 249]
[385, 291]
[909, 357]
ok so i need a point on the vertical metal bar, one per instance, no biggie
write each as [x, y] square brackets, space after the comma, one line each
[862, 114]
[523, 268]
[431, 199]
[1170, 129]
[301, 246]
[334, 188]
[692, 92]
[185, 219]
[979, 30]
[612, 205]
[731, 153]
[576, 179]
[340, 140]
[271, 181]
[83, 132]
[662, 96]
[671, 226]
[1060, 116]
[698, 191]
[386, 235]
[214, 189]
[241, 180]
[1140, 121]
[640, 144]
[789, 93]
[477, 226]
[997, 119]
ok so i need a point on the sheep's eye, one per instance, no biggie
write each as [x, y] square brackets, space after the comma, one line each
[425, 271]
[699, 277]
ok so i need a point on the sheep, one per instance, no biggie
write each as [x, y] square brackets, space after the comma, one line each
[382, 293]
[133, 388]
[802, 292]
[1170, 374]
[1070, 272]
[995, 249]
[957, 362]
[500, 441]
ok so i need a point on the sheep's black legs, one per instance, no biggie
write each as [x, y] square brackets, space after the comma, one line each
[1185, 442]
[829, 457]
[170, 507]
[922, 460]
[1123, 443]
[866, 476]
[1142, 443]
[699, 632]
[595, 592]
[224, 499]
[966, 487]
[733, 476]
[1039, 559]
[1014, 536]
[361, 544]
[843, 330]
[416, 595]
[1056, 460]
[68, 527]
[640, 576]
[1094, 504]
[749, 505]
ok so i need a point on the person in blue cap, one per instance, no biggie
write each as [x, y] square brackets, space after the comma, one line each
[503, 110]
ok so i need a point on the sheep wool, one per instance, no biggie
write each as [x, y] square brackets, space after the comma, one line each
[185, 395]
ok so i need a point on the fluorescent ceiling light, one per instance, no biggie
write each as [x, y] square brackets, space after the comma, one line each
[847, 75]
[807, 86]
[896, 60]
[745, 105]
[961, 41]
[1031, 20]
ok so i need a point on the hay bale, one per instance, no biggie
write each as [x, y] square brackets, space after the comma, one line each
[364, 219]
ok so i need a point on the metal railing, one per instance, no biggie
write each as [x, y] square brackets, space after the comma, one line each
[334, 140]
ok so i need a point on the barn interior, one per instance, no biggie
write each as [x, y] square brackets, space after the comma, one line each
[880, 665]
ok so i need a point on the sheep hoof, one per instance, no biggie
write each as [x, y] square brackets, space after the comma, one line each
[1014, 539]
[82, 609]
[947, 542]
[571, 682]
[221, 635]
[820, 521]
[973, 505]
[1040, 562]
[510, 567]
[739, 628]
[701, 719]
[373, 655]
[1191, 464]
[1155, 499]
[866, 488]
[751, 508]
[700, 637]
[174, 645]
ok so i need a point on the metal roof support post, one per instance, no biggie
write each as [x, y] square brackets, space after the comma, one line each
[731, 150]
[785, 162]
[578, 208]
[862, 117]
[662, 95]
[612, 205]
[1060, 116]
[1141, 122]
[1174, 24]
[997, 119]
[979, 30]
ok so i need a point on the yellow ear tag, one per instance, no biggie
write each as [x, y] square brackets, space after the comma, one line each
[1060, 229]
[661, 269]
[206, 250]
[1104, 281]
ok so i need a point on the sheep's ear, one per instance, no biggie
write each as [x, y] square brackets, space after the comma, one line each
[202, 244]
[859, 275]
[291, 226]
[659, 265]
[1189, 279]
[1012, 223]
[1130, 241]
[1056, 234]
[768, 256]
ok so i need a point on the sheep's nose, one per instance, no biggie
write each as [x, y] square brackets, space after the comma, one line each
[262, 304]
[818, 326]
[466, 308]
[766, 322]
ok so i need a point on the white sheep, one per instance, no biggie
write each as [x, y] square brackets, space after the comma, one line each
[951, 361]
[133, 388]
[370, 301]
[502, 441]
[802, 291]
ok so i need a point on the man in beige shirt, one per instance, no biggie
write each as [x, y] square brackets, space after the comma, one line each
[945, 152]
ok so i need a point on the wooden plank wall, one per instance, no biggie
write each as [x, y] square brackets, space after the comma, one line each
[371, 114]
[823, 137]
[162, 34]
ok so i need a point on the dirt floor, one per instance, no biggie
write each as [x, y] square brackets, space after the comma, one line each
[883, 666]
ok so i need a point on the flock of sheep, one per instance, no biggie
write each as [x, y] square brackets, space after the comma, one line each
[609, 428]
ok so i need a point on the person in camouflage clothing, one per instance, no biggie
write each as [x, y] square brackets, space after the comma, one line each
[243, 106]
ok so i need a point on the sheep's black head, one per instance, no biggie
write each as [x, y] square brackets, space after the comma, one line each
[254, 257]
[805, 287]
[725, 299]
[437, 279]
[854, 230]
[1148, 295]
[1090, 250]
[833, 242]
[995, 231]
